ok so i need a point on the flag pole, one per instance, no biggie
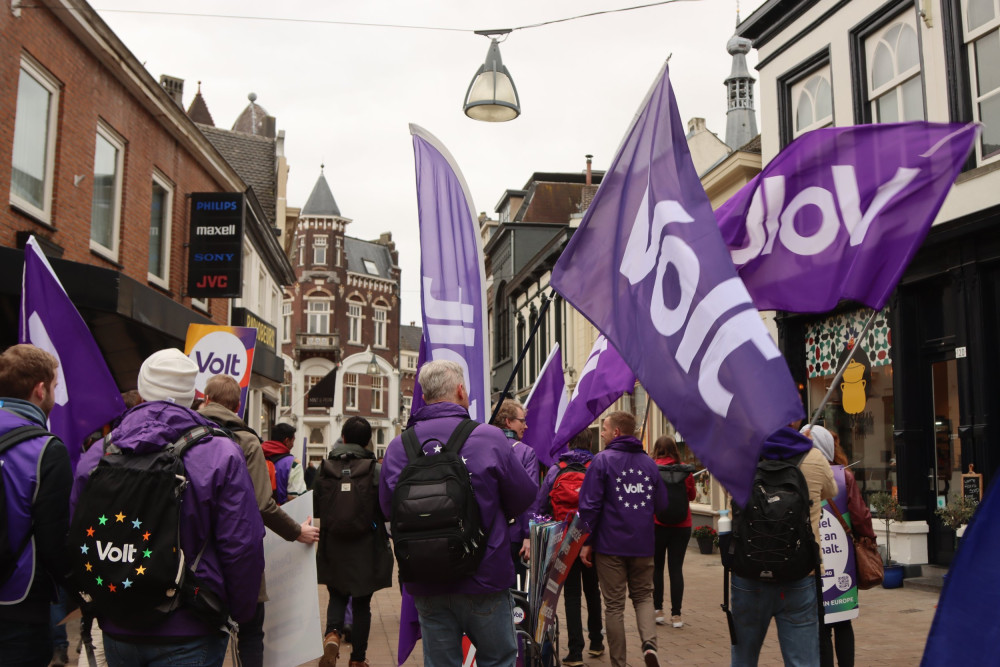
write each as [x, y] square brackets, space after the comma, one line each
[546, 299]
[645, 417]
[843, 367]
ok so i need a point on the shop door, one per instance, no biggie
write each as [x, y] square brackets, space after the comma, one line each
[945, 475]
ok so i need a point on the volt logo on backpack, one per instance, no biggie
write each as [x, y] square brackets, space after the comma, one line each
[116, 554]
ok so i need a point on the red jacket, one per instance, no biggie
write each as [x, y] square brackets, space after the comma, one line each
[689, 482]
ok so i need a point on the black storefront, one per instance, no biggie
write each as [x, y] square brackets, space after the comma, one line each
[923, 406]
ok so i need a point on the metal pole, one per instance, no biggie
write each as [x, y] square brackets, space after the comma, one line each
[840, 371]
[546, 299]
[645, 417]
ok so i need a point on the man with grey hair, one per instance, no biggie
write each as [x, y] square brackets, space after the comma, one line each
[480, 605]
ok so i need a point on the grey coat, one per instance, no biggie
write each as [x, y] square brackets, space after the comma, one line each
[356, 566]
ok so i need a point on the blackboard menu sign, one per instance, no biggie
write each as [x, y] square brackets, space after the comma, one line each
[972, 486]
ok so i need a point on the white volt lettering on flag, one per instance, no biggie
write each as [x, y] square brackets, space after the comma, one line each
[779, 222]
[39, 337]
[646, 251]
[454, 315]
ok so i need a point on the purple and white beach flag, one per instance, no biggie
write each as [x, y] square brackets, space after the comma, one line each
[544, 408]
[649, 268]
[86, 396]
[841, 211]
[451, 268]
[603, 379]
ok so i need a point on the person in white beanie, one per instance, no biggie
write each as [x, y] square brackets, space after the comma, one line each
[221, 531]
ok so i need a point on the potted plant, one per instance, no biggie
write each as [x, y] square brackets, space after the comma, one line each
[886, 507]
[706, 537]
[956, 514]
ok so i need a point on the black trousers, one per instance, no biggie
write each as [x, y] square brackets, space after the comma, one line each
[841, 636]
[362, 610]
[582, 578]
[671, 545]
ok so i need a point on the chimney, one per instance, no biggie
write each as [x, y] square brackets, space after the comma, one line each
[589, 157]
[174, 88]
[270, 125]
[695, 125]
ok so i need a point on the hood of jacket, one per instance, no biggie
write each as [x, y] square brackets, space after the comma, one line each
[272, 447]
[577, 456]
[625, 443]
[350, 451]
[152, 426]
[785, 443]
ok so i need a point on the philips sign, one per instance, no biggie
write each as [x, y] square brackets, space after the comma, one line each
[215, 242]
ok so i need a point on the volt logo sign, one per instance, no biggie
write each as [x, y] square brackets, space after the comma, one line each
[215, 242]
[108, 551]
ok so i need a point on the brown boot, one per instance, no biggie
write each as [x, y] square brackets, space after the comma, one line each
[359, 663]
[331, 649]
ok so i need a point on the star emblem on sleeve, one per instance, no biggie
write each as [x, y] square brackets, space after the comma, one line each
[437, 449]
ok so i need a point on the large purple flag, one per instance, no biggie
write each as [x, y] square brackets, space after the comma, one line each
[451, 268]
[603, 379]
[649, 268]
[86, 394]
[544, 407]
[841, 211]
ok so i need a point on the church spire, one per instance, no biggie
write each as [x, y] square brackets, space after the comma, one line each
[741, 123]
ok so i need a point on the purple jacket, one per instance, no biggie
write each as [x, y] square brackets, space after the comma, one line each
[526, 456]
[621, 491]
[218, 506]
[503, 489]
[542, 497]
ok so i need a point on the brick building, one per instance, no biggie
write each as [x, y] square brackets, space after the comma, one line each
[341, 324]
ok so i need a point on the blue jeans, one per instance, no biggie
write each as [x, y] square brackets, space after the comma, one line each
[207, 651]
[795, 610]
[487, 619]
[25, 644]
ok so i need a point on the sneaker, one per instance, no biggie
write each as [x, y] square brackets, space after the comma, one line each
[649, 656]
[60, 656]
[573, 661]
[596, 650]
[660, 619]
[331, 649]
[676, 621]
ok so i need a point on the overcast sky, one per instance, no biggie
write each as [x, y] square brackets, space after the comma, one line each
[345, 94]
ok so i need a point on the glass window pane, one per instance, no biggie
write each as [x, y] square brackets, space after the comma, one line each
[157, 230]
[882, 69]
[978, 12]
[31, 127]
[907, 52]
[103, 205]
[989, 114]
[987, 61]
[886, 108]
[824, 99]
[913, 99]
[803, 114]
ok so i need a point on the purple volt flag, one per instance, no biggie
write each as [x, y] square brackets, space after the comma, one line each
[604, 378]
[841, 211]
[87, 397]
[545, 406]
[409, 626]
[649, 268]
[451, 268]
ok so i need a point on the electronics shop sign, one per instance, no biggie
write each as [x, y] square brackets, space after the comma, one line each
[216, 244]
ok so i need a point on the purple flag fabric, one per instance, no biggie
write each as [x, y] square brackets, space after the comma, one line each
[604, 378]
[544, 407]
[451, 268]
[649, 268]
[409, 626]
[86, 394]
[841, 211]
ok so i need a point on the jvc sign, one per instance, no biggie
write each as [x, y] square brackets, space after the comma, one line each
[215, 244]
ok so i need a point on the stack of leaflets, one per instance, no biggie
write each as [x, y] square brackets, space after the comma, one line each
[554, 547]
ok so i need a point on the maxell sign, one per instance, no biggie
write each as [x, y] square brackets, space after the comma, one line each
[215, 244]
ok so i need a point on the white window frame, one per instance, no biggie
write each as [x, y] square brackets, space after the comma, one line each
[970, 37]
[33, 69]
[118, 143]
[378, 395]
[354, 320]
[800, 88]
[168, 215]
[901, 78]
[319, 250]
[286, 321]
[351, 391]
[380, 321]
[371, 268]
[321, 315]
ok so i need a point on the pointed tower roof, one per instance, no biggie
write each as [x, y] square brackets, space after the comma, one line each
[198, 111]
[741, 122]
[321, 201]
[252, 120]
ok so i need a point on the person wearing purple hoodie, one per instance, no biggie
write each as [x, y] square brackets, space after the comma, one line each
[511, 420]
[621, 491]
[218, 514]
[479, 606]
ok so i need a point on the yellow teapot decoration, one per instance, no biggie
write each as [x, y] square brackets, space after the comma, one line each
[853, 388]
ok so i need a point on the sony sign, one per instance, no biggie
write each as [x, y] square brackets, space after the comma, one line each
[215, 243]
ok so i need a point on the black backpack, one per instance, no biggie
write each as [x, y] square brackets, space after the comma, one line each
[346, 496]
[125, 552]
[437, 530]
[675, 476]
[772, 536]
[8, 555]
